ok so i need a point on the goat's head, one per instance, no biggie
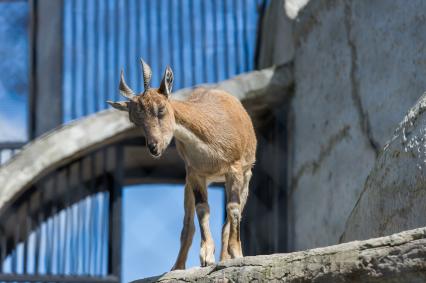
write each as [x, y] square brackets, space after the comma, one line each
[150, 110]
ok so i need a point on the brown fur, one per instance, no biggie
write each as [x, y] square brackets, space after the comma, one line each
[215, 137]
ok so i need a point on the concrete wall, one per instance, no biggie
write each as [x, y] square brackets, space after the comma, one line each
[359, 66]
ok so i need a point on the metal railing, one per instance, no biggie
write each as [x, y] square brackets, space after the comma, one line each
[8, 150]
[67, 226]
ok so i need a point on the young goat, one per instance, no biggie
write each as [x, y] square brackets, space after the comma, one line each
[215, 138]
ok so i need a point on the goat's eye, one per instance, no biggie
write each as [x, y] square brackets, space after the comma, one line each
[161, 112]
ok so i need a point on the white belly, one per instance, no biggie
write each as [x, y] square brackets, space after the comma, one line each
[197, 154]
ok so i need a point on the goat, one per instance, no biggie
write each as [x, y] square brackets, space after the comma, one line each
[215, 137]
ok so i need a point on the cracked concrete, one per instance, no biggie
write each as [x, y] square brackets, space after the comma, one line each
[324, 104]
[356, 63]
[314, 165]
[396, 258]
[363, 115]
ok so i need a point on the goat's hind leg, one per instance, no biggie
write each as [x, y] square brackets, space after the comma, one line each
[234, 188]
[225, 230]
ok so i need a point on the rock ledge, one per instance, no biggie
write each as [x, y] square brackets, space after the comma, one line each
[397, 258]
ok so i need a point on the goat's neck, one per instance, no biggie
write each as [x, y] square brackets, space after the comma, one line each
[189, 122]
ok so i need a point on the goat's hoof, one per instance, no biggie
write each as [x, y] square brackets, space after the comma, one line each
[235, 252]
[207, 255]
[178, 267]
[207, 262]
[225, 256]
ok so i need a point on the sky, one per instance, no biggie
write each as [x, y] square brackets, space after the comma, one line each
[13, 71]
[153, 220]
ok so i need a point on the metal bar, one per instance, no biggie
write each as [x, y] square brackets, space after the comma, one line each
[171, 17]
[57, 278]
[96, 232]
[11, 145]
[181, 48]
[159, 33]
[67, 210]
[115, 209]
[73, 88]
[91, 214]
[104, 213]
[204, 38]
[148, 29]
[58, 240]
[106, 52]
[3, 251]
[28, 226]
[38, 232]
[81, 223]
[56, 224]
[32, 83]
[15, 247]
[192, 40]
[70, 227]
[116, 41]
[106, 234]
[49, 244]
[84, 60]
[73, 235]
[139, 38]
[235, 11]
[127, 28]
[51, 227]
[226, 41]
[216, 40]
[245, 37]
[96, 98]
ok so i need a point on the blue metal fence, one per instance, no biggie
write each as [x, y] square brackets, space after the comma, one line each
[203, 41]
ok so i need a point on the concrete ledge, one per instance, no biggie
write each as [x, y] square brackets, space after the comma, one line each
[397, 258]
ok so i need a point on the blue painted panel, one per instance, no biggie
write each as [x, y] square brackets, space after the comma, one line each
[203, 41]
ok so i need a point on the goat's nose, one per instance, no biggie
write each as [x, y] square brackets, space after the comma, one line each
[152, 147]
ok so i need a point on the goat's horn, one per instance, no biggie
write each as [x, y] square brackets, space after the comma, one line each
[146, 74]
[125, 90]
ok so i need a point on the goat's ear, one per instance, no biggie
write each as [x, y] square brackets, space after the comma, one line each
[122, 105]
[167, 82]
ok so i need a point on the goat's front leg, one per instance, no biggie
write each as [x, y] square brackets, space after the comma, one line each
[203, 213]
[234, 186]
[188, 229]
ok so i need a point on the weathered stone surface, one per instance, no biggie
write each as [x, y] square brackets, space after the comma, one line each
[394, 197]
[397, 258]
[359, 65]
